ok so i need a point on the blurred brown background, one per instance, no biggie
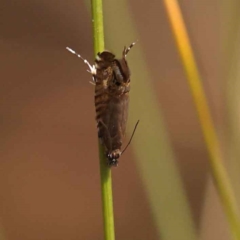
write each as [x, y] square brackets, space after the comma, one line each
[49, 174]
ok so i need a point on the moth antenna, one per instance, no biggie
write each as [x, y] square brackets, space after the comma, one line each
[92, 68]
[126, 50]
[131, 137]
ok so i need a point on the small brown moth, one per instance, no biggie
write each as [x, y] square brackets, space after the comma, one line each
[111, 78]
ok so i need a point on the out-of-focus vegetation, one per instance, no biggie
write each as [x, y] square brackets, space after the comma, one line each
[164, 188]
[151, 143]
[156, 158]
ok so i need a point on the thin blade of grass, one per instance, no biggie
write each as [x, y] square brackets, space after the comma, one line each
[151, 144]
[230, 67]
[194, 80]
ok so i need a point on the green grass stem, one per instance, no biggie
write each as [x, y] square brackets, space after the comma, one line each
[105, 171]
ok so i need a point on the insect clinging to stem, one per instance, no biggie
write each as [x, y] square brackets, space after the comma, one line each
[111, 77]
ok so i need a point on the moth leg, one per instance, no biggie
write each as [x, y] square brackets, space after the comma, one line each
[93, 82]
[105, 126]
[101, 137]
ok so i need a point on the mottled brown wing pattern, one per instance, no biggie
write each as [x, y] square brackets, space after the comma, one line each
[111, 77]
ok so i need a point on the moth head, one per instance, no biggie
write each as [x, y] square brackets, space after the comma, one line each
[104, 60]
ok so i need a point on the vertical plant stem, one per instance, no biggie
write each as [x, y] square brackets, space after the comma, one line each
[105, 171]
[97, 20]
[209, 132]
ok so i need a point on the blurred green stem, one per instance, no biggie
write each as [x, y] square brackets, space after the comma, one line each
[105, 171]
[154, 156]
[210, 136]
[230, 67]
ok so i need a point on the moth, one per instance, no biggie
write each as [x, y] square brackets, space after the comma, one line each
[111, 77]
